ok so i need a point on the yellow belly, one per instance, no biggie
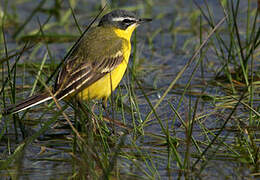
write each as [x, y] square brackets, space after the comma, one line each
[103, 88]
[106, 85]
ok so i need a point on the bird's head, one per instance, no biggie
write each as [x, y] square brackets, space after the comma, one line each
[121, 19]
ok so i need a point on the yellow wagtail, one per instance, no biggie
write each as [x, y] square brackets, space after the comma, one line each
[96, 66]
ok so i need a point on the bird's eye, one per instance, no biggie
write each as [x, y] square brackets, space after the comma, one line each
[127, 21]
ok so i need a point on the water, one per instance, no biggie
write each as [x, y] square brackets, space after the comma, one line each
[164, 47]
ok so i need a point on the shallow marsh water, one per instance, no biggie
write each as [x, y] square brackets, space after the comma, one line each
[154, 148]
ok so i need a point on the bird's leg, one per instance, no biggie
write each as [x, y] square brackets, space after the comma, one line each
[94, 121]
[107, 118]
[88, 113]
[104, 104]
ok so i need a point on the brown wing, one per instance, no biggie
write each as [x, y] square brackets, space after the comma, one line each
[84, 75]
[99, 52]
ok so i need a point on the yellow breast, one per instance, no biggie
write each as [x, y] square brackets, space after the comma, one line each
[103, 88]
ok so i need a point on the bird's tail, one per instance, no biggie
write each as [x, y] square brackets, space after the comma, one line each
[27, 103]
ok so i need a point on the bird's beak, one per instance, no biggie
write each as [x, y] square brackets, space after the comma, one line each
[143, 20]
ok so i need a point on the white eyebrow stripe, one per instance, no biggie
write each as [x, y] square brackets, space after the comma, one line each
[122, 18]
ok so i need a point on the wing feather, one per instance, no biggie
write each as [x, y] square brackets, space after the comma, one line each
[87, 76]
[94, 57]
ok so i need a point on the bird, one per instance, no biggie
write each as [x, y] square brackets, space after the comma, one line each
[95, 66]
